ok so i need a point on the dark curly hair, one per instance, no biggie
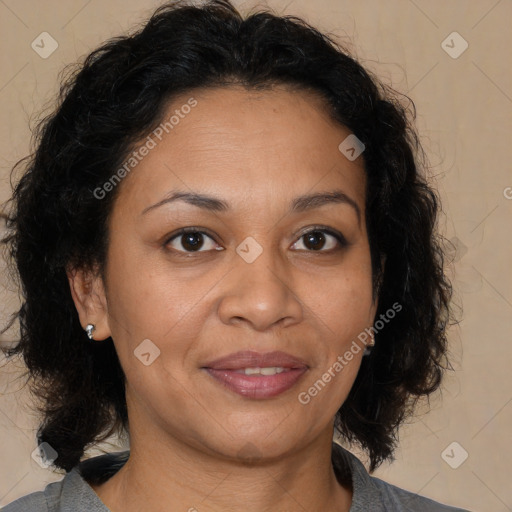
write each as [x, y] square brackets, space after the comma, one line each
[114, 99]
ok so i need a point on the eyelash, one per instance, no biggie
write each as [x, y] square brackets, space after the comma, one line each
[322, 229]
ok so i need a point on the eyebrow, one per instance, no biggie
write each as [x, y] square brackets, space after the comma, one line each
[299, 204]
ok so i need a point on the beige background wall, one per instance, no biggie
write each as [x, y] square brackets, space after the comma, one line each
[464, 115]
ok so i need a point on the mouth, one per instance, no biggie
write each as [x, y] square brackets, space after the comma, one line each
[257, 376]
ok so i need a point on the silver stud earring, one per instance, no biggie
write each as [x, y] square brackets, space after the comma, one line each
[89, 329]
[368, 349]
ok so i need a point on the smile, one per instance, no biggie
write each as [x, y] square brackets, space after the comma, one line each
[257, 376]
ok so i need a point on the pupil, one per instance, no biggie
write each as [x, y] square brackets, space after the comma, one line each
[315, 236]
[193, 240]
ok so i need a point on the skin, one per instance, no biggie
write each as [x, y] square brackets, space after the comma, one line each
[194, 443]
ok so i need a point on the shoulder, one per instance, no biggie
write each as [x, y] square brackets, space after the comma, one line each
[395, 498]
[73, 493]
[40, 501]
[371, 493]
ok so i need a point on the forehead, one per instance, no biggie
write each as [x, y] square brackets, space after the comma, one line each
[245, 145]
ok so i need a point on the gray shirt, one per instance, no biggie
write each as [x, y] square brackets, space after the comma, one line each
[74, 494]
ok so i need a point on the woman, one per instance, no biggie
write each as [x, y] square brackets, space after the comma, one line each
[227, 250]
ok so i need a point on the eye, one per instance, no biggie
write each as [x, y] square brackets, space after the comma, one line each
[315, 240]
[190, 240]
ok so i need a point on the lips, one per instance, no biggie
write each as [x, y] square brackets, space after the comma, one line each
[250, 359]
[257, 376]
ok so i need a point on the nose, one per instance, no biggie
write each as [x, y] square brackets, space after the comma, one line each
[260, 294]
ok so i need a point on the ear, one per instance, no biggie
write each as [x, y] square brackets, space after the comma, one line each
[88, 292]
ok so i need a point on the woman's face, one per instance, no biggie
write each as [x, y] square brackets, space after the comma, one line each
[246, 279]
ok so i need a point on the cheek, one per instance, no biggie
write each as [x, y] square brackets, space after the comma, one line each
[342, 306]
[343, 299]
[152, 302]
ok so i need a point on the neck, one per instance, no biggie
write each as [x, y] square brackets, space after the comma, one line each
[164, 476]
